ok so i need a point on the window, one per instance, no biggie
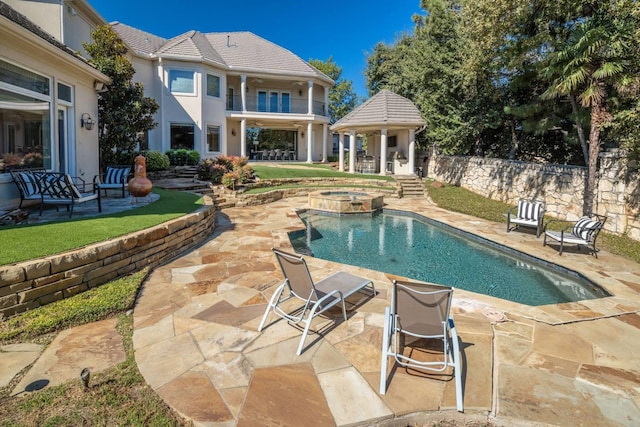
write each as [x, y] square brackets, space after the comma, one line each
[213, 138]
[230, 98]
[182, 81]
[213, 86]
[25, 79]
[262, 101]
[273, 102]
[64, 92]
[392, 141]
[182, 136]
[25, 118]
[286, 102]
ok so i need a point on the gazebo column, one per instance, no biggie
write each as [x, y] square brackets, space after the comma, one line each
[325, 137]
[412, 150]
[310, 142]
[352, 151]
[383, 152]
[243, 138]
[341, 152]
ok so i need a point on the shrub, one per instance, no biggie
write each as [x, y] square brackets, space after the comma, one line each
[333, 158]
[156, 161]
[193, 157]
[33, 160]
[182, 157]
[228, 170]
[230, 179]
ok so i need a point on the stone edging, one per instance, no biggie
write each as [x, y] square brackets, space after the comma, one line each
[30, 284]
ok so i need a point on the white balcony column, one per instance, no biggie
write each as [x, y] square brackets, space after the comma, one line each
[310, 100]
[341, 152]
[325, 137]
[412, 150]
[352, 151]
[310, 142]
[383, 152]
[243, 138]
[326, 101]
[243, 92]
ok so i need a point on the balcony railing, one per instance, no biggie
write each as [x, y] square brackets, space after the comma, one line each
[294, 106]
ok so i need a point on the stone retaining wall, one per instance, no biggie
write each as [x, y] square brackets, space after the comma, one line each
[388, 188]
[29, 284]
[561, 187]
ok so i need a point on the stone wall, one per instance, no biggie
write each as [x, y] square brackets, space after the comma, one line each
[561, 187]
[29, 284]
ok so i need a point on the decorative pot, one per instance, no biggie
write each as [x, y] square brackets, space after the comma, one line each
[140, 185]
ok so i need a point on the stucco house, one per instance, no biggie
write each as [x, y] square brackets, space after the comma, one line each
[212, 87]
[48, 92]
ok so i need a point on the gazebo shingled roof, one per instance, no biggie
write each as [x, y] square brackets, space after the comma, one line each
[383, 110]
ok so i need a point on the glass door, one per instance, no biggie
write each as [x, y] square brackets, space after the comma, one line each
[273, 102]
[286, 102]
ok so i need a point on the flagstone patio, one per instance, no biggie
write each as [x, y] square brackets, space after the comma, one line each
[197, 344]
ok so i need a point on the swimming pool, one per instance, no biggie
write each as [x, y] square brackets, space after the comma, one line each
[413, 246]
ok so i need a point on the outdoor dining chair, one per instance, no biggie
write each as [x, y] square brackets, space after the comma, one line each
[316, 297]
[419, 313]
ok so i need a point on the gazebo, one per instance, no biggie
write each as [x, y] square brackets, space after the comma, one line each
[390, 123]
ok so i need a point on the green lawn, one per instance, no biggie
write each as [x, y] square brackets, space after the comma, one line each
[23, 242]
[309, 171]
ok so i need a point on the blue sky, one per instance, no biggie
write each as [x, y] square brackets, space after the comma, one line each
[345, 30]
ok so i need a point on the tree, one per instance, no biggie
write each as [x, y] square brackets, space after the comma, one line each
[123, 110]
[342, 97]
[598, 62]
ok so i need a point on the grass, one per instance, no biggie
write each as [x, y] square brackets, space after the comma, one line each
[310, 171]
[117, 396]
[467, 202]
[23, 242]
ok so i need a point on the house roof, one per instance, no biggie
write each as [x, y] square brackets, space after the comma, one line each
[383, 110]
[235, 51]
[140, 42]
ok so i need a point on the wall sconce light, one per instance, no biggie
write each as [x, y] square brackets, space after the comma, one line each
[301, 134]
[86, 121]
[233, 132]
[300, 92]
[99, 86]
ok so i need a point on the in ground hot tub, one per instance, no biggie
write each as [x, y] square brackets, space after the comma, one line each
[345, 202]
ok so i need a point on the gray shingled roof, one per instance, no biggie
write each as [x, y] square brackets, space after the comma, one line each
[139, 41]
[384, 109]
[235, 51]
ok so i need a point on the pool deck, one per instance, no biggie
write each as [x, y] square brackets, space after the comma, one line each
[196, 340]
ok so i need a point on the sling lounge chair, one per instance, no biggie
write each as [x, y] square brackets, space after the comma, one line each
[528, 213]
[420, 311]
[317, 297]
[583, 233]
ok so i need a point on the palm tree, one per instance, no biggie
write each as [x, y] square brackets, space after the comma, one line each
[596, 61]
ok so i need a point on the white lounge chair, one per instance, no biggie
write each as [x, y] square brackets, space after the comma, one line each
[528, 213]
[583, 232]
[317, 297]
[421, 311]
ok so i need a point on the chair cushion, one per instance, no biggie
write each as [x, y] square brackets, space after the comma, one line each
[116, 175]
[529, 210]
[585, 227]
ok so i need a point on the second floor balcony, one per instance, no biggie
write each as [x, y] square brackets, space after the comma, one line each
[280, 104]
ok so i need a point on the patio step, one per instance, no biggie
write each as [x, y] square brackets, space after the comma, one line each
[186, 172]
[411, 185]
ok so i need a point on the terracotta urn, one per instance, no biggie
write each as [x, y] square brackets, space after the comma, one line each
[140, 185]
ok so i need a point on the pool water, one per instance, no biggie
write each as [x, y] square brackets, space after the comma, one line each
[416, 247]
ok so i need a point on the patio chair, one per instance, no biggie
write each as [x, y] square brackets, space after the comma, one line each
[28, 183]
[317, 297]
[60, 189]
[115, 178]
[528, 213]
[420, 312]
[583, 232]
